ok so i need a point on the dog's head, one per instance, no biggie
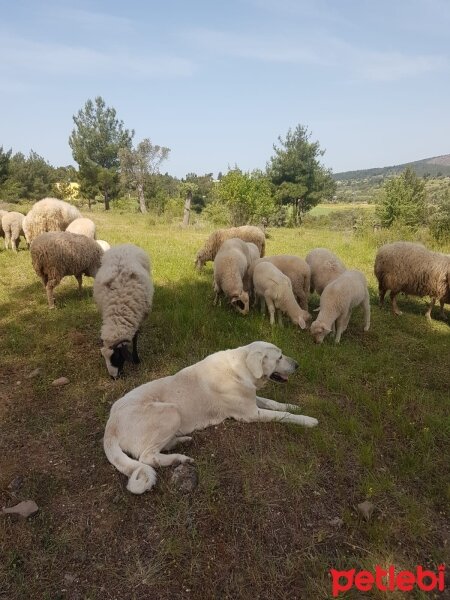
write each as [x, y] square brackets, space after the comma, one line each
[241, 302]
[319, 331]
[265, 361]
[115, 358]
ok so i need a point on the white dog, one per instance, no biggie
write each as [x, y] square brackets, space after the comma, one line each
[158, 415]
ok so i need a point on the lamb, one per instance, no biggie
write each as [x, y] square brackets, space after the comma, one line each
[248, 233]
[337, 301]
[82, 226]
[230, 271]
[49, 214]
[103, 245]
[325, 266]
[413, 269]
[11, 224]
[56, 254]
[275, 289]
[123, 292]
[298, 272]
[254, 252]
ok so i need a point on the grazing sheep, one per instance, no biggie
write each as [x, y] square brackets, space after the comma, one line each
[82, 226]
[254, 252]
[57, 254]
[49, 214]
[11, 223]
[2, 214]
[248, 233]
[123, 292]
[325, 266]
[103, 245]
[275, 289]
[413, 269]
[337, 301]
[230, 271]
[298, 272]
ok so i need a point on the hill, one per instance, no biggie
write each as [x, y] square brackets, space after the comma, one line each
[432, 167]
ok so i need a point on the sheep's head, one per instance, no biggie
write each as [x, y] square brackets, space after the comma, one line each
[319, 331]
[304, 319]
[199, 262]
[241, 302]
[115, 358]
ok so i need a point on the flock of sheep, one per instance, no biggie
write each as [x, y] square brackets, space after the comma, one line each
[63, 243]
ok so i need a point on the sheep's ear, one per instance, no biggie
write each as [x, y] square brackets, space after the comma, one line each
[254, 363]
[106, 352]
[316, 309]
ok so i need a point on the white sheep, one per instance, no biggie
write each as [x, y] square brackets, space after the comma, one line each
[325, 266]
[123, 292]
[56, 254]
[49, 214]
[103, 245]
[2, 214]
[247, 233]
[413, 269]
[298, 271]
[82, 226]
[274, 288]
[11, 223]
[230, 271]
[337, 301]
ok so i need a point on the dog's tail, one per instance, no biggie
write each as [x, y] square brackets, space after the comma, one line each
[142, 477]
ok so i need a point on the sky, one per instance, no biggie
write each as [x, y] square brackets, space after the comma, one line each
[219, 82]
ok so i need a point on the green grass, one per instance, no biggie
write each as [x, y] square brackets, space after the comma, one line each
[258, 525]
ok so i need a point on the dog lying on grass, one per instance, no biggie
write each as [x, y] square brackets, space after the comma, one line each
[160, 414]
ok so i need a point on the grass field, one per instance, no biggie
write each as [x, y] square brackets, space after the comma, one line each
[260, 523]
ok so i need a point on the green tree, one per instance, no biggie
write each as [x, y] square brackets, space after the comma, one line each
[138, 165]
[247, 196]
[4, 164]
[295, 169]
[402, 200]
[439, 220]
[202, 191]
[95, 141]
[29, 177]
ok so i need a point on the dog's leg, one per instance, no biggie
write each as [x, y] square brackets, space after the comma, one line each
[260, 414]
[273, 405]
[164, 460]
[182, 439]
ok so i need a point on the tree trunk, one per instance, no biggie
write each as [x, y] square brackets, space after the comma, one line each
[187, 209]
[106, 200]
[141, 199]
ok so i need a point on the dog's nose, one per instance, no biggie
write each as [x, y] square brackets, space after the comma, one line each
[295, 364]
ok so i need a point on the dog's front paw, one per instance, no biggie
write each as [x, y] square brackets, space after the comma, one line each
[310, 422]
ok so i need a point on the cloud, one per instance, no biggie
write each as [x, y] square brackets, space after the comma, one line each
[94, 21]
[19, 54]
[317, 49]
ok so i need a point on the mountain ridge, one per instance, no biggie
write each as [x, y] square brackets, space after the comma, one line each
[433, 166]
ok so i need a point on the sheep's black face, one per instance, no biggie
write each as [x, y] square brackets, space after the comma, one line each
[115, 359]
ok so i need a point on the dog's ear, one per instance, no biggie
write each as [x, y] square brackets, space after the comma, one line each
[254, 363]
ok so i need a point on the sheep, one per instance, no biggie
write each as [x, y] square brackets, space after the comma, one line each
[248, 233]
[49, 214]
[325, 266]
[298, 272]
[413, 269]
[82, 226]
[254, 252]
[337, 301]
[123, 292]
[230, 271]
[103, 245]
[11, 224]
[56, 254]
[2, 214]
[275, 289]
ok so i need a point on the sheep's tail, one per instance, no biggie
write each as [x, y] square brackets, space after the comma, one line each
[142, 477]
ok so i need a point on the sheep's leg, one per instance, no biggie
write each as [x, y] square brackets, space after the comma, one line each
[14, 244]
[51, 284]
[273, 405]
[79, 278]
[271, 307]
[382, 294]
[395, 308]
[136, 359]
[442, 312]
[430, 308]
[263, 305]
[7, 238]
[366, 309]
[341, 326]
[280, 317]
